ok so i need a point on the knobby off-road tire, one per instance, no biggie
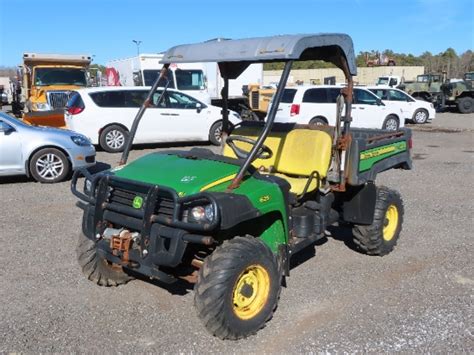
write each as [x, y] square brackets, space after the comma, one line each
[238, 288]
[95, 268]
[466, 105]
[382, 235]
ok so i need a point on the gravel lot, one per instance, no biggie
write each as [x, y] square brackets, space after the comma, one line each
[418, 298]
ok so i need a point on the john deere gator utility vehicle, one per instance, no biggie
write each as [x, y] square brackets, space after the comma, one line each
[231, 222]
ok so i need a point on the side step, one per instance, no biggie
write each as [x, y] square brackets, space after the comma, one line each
[301, 243]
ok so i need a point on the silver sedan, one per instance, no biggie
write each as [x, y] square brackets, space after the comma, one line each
[47, 154]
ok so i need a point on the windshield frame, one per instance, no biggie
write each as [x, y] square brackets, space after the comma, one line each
[37, 72]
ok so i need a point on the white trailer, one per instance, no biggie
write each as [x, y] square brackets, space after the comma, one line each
[201, 80]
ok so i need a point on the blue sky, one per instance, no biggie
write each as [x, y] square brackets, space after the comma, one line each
[106, 28]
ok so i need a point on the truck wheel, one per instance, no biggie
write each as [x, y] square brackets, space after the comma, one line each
[465, 105]
[238, 288]
[96, 268]
[318, 121]
[420, 116]
[391, 123]
[381, 236]
[113, 138]
[49, 165]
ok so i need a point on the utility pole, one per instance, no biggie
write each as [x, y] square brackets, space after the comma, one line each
[138, 45]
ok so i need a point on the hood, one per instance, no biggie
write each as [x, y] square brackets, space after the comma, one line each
[186, 176]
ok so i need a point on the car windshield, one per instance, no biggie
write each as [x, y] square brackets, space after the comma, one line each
[60, 76]
[189, 79]
[382, 81]
[469, 76]
[150, 76]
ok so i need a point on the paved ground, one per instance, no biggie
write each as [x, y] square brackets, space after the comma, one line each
[419, 298]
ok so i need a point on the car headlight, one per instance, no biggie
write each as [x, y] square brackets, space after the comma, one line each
[200, 214]
[41, 106]
[81, 141]
[236, 115]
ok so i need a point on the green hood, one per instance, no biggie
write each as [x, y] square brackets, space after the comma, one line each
[186, 176]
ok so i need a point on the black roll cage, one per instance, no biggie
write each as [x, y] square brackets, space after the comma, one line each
[234, 56]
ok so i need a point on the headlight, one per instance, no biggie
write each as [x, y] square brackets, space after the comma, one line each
[41, 106]
[87, 186]
[81, 141]
[200, 214]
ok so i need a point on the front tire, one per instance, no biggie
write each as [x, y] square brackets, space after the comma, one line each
[95, 268]
[238, 288]
[466, 105]
[391, 123]
[113, 139]
[382, 235]
[420, 116]
[49, 165]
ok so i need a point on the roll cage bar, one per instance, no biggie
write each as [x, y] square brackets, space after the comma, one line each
[234, 56]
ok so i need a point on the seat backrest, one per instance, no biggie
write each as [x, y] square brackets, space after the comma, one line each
[274, 141]
[305, 151]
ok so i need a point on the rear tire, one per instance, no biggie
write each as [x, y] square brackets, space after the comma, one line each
[382, 235]
[238, 288]
[466, 105]
[95, 268]
[49, 165]
[391, 123]
[113, 139]
[318, 121]
[420, 116]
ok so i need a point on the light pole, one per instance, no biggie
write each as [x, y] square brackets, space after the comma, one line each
[138, 45]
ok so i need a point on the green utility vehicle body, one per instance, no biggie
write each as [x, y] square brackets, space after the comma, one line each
[230, 222]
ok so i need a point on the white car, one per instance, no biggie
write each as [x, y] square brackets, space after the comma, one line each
[47, 154]
[417, 111]
[105, 115]
[316, 104]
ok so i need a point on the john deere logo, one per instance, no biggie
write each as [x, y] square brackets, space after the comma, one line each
[137, 202]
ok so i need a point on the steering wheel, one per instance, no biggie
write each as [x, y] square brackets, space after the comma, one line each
[263, 153]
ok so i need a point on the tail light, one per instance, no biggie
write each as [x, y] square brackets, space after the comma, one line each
[294, 110]
[74, 110]
[410, 143]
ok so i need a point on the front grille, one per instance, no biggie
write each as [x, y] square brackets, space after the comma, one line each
[164, 205]
[255, 98]
[58, 99]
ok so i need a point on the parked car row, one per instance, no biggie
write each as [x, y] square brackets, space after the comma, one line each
[373, 107]
[103, 116]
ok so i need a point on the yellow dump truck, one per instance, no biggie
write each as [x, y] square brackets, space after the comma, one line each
[45, 83]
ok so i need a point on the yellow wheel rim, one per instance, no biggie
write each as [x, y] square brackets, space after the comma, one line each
[251, 292]
[390, 223]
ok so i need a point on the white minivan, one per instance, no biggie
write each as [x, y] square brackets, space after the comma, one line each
[105, 115]
[316, 104]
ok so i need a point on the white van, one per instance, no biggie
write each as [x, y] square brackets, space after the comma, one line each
[316, 104]
[105, 115]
